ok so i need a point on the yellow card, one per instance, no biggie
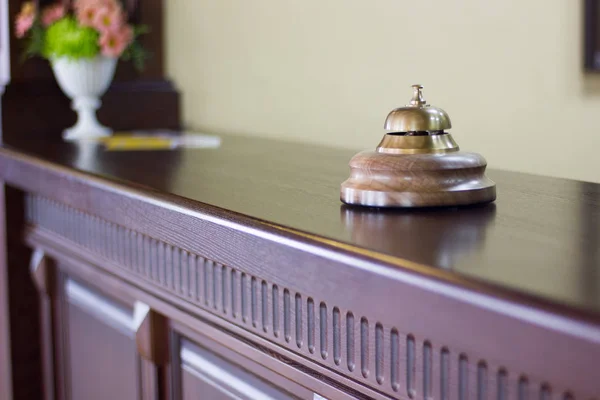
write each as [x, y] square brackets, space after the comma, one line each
[126, 142]
[158, 140]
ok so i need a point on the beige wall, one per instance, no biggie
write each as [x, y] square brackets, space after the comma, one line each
[328, 71]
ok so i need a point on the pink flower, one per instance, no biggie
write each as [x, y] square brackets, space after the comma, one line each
[111, 4]
[107, 19]
[100, 14]
[23, 24]
[114, 42]
[86, 15]
[25, 19]
[52, 14]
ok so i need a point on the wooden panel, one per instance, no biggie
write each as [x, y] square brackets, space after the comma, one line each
[206, 375]
[102, 361]
[5, 356]
[277, 364]
[24, 308]
[40, 109]
[43, 275]
[387, 351]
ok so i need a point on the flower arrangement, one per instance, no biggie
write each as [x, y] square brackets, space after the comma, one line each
[80, 29]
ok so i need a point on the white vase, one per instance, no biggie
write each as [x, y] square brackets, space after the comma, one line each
[85, 81]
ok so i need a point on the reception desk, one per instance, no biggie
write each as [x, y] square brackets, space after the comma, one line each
[236, 273]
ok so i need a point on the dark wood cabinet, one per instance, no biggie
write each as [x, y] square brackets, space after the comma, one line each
[95, 329]
[102, 340]
[210, 274]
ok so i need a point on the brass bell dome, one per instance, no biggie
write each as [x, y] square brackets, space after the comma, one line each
[417, 128]
[417, 116]
[417, 164]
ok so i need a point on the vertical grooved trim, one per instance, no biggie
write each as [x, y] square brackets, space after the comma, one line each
[410, 366]
[168, 261]
[444, 374]
[310, 309]
[298, 320]
[244, 296]
[207, 267]
[264, 305]
[275, 302]
[162, 268]
[427, 369]
[224, 288]
[364, 347]
[337, 357]
[287, 318]
[379, 358]
[193, 276]
[233, 289]
[254, 301]
[323, 330]
[215, 285]
[350, 341]
[523, 389]
[545, 392]
[463, 380]
[481, 381]
[502, 389]
[185, 273]
[395, 360]
[176, 269]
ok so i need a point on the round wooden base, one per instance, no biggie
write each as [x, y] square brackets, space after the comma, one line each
[417, 180]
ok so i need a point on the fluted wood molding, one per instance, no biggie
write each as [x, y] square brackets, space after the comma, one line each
[387, 353]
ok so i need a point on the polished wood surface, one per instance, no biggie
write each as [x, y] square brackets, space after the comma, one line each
[540, 238]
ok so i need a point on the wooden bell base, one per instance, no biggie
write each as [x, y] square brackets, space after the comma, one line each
[417, 180]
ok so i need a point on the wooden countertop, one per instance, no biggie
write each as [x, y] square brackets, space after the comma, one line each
[540, 240]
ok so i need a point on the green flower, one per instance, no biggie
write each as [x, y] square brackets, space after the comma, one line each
[66, 38]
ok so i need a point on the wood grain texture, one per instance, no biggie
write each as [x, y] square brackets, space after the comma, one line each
[125, 214]
[377, 349]
[193, 322]
[417, 180]
[539, 239]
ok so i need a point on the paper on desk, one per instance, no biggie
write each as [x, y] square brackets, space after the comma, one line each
[158, 140]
